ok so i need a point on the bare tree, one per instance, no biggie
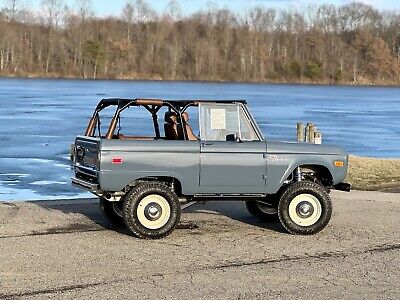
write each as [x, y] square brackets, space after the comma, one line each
[143, 12]
[53, 12]
[85, 10]
[128, 14]
[12, 7]
[173, 10]
[328, 44]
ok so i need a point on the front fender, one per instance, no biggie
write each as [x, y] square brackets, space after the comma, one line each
[281, 166]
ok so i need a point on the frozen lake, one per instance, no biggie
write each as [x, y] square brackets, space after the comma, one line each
[40, 118]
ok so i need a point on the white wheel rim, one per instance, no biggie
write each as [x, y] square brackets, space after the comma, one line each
[305, 210]
[153, 211]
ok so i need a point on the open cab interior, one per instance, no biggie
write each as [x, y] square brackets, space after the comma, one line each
[128, 119]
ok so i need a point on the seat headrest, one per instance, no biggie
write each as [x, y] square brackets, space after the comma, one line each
[185, 116]
[170, 117]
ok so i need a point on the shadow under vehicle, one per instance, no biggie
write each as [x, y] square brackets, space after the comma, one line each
[144, 182]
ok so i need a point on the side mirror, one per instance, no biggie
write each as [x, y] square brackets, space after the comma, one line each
[232, 138]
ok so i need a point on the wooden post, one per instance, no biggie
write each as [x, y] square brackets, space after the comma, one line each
[308, 132]
[318, 137]
[311, 131]
[300, 132]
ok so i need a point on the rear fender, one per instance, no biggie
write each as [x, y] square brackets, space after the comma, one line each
[121, 180]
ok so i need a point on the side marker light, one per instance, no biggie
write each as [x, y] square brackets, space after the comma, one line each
[339, 163]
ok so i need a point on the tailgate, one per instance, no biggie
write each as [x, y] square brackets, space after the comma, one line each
[87, 159]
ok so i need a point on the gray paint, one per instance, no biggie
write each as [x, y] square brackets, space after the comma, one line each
[231, 167]
[207, 167]
[223, 167]
[177, 159]
[303, 148]
[283, 158]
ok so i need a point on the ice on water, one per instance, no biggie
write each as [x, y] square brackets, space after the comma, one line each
[40, 118]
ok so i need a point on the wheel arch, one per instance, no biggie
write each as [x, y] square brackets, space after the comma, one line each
[322, 169]
[322, 173]
[172, 181]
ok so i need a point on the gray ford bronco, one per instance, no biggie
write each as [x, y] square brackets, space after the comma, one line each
[142, 181]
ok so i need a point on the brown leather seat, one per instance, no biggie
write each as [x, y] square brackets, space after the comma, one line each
[190, 134]
[170, 126]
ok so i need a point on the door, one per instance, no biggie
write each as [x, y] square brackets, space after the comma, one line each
[232, 158]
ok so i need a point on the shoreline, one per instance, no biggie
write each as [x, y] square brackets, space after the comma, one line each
[156, 79]
[374, 174]
[366, 174]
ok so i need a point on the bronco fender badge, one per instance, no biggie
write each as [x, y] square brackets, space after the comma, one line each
[275, 158]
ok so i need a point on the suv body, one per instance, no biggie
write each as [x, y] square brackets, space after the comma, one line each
[230, 159]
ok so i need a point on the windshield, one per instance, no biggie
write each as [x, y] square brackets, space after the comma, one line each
[217, 121]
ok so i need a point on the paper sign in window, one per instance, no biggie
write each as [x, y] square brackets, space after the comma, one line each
[218, 119]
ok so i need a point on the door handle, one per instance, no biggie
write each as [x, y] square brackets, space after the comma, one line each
[207, 144]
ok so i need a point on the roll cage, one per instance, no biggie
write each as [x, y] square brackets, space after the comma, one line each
[153, 106]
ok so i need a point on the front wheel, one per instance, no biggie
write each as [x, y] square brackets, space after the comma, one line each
[304, 208]
[151, 210]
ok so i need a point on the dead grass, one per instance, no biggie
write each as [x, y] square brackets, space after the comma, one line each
[374, 174]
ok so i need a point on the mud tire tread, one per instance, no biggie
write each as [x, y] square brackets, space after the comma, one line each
[298, 188]
[132, 201]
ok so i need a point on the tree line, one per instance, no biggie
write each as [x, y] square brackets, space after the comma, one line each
[353, 43]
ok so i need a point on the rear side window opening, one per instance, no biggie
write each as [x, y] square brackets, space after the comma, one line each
[138, 123]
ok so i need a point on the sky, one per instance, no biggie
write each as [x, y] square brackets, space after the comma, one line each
[114, 7]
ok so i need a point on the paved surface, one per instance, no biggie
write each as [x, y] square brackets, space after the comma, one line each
[67, 250]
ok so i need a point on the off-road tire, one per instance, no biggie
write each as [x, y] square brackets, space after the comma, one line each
[108, 211]
[294, 193]
[262, 211]
[132, 203]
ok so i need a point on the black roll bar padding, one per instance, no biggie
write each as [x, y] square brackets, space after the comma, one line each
[113, 125]
[183, 127]
[156, 126]
[154, 110]
[98, 126]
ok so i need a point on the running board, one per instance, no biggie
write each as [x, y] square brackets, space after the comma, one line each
[229, 196]
[187, 205]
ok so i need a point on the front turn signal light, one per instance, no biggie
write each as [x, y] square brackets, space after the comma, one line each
[339, 163]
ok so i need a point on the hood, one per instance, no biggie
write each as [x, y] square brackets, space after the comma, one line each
[303, 148]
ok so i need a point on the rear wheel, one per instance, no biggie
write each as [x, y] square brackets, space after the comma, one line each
[305, 208]
[151, 210]
[112, 211]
